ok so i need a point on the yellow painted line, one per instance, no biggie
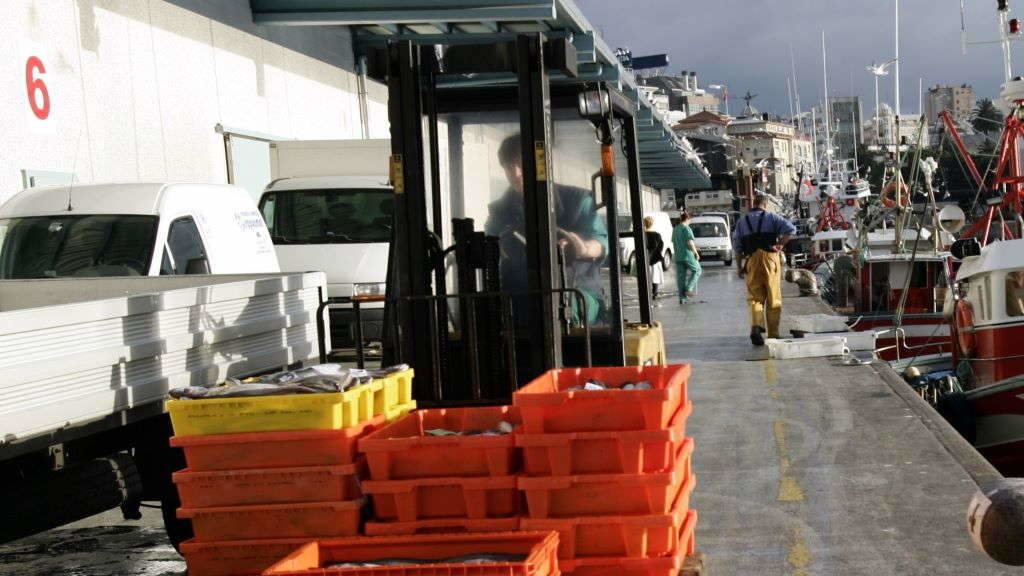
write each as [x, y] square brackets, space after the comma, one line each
[789, 487]
[799, 556]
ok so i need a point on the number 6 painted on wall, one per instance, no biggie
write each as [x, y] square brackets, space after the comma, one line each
[36, 86]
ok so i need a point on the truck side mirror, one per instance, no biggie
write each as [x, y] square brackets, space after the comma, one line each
[198, 266]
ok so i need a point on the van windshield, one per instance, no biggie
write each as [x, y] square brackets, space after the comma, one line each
[709, 230]
[329, 216]
[79, 246]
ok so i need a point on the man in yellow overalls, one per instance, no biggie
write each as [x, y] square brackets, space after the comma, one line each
[758, 240]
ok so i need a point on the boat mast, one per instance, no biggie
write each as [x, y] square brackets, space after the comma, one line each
[796, 89]
[828, 113]
[899, 159]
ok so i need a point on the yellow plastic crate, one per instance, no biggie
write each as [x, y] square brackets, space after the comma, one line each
[401, 410]
[331, 411]
[391, 391]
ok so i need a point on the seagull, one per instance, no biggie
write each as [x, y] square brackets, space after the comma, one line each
[880, 69]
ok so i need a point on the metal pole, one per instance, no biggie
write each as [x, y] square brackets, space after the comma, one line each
[899, 159]
[878, 130]
[796, 86]
[828, 112]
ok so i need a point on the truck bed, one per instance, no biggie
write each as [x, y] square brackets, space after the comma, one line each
[74, 352]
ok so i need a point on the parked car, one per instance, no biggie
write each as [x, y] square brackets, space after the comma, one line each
[712, 237]
[627, 252]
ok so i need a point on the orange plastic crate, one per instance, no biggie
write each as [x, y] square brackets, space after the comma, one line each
[424, 498]
[620, 452]
[607, 494]
[298, 520]
[622, 566]
[287, 449]
[268, 486]
[538, 548]
[241, 558]
[442, 526]
[547, 405]
[402, 450]
[623, 536]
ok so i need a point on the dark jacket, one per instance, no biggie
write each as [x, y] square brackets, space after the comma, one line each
[655, 247]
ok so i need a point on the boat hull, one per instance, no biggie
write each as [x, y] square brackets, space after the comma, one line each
[999, 424]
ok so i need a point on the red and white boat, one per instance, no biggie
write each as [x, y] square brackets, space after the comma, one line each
[990, 350]
[988, 293]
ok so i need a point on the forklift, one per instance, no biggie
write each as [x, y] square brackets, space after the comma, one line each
[508, 171]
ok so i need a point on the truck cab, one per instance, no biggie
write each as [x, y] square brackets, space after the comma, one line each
[142, 229]
[330, 208]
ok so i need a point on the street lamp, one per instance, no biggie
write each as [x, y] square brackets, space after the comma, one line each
[879, 71]
[725, 94]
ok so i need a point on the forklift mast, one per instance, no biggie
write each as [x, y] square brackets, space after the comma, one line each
[479, 342]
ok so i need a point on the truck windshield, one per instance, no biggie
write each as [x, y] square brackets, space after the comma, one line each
[80, 246]
[332, 216]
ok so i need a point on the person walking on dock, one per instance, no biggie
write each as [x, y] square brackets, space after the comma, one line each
[687, 258]
[758, 241]
[655, 256]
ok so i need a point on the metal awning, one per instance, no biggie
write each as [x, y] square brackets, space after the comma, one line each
[667, 160]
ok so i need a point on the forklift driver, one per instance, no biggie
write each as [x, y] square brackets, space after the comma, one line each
[582, 234]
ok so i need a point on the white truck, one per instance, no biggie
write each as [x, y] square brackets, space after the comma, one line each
[106, 302]
[330, 208]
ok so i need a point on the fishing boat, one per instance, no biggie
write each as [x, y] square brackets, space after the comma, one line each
[987, 296]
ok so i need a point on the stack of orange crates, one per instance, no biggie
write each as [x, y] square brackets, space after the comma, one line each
[609, 469]
[266, 474]
[431, 483]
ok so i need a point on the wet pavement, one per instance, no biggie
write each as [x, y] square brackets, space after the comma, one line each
[805, 467]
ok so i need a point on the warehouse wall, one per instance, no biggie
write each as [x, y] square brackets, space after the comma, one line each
[133, 89]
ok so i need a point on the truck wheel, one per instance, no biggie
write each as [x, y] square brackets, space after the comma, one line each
[177, 530]
[728, 263]
[53, 499]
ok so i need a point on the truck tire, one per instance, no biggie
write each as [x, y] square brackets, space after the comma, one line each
[727, 262]
[50, 500]
[177, 530]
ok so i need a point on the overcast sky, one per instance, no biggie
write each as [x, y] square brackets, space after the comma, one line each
[744, 44]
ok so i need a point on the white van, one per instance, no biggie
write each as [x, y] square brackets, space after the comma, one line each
[627, 252]
[141, 229]
[712, 237]
[330, 209]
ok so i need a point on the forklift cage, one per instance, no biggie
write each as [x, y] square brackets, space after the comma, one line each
[416, 325]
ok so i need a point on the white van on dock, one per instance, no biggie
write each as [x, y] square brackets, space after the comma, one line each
[712, 237]
[140, 229]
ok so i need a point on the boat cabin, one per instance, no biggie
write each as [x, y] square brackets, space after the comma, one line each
[884, 277]
[990, 314]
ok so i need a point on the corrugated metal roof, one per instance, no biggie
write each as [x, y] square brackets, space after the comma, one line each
[667, 160]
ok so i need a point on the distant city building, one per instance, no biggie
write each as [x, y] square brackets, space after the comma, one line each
[683, 94]
[958, 100]
[910, 125]
[761, 142]
[803, 154]
[847, 119]
[707, 132]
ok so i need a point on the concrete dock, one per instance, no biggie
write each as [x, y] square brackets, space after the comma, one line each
[809, 467]
[805, 467]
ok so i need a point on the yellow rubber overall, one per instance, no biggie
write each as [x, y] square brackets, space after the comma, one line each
[764, 290]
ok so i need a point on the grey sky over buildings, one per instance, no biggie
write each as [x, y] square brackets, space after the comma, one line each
[744, 44]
